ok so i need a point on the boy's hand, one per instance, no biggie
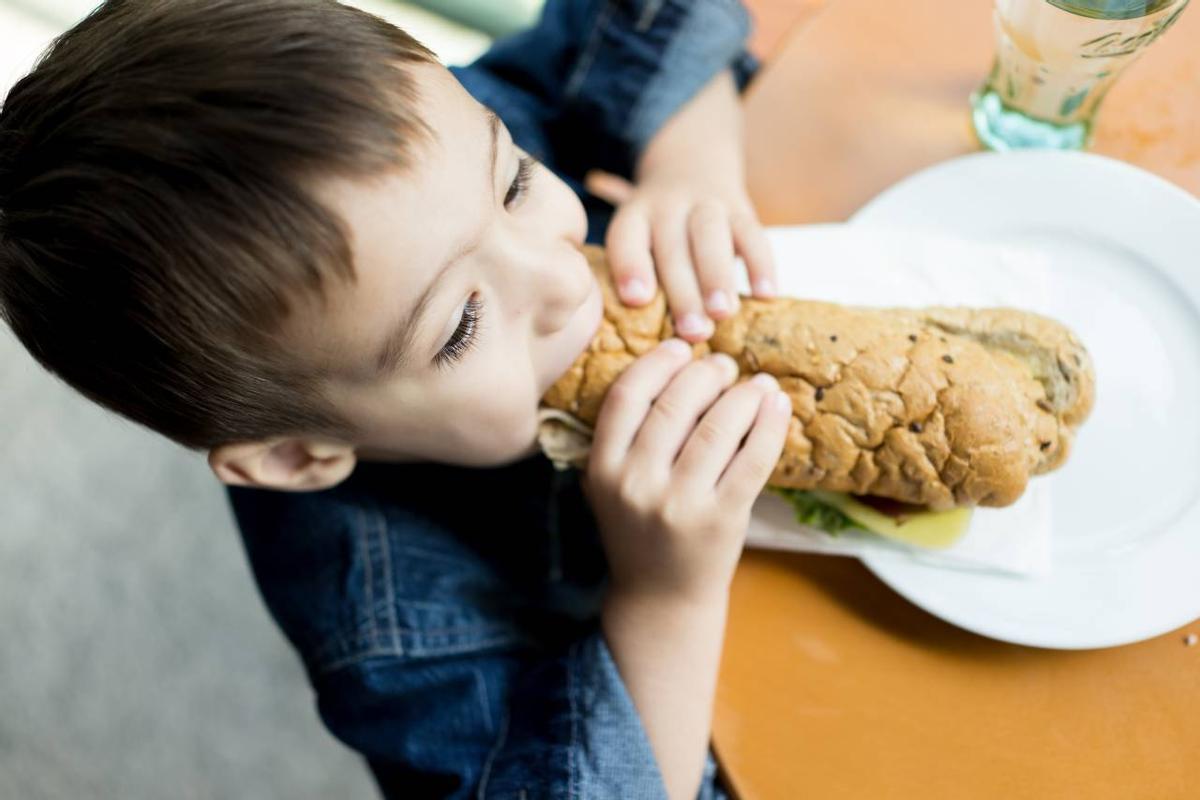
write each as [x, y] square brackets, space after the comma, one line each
[688, 228]
[668, 479]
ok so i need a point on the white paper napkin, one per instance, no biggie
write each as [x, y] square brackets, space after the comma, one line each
[880, 266]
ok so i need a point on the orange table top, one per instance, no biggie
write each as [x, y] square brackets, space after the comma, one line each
[832, 685]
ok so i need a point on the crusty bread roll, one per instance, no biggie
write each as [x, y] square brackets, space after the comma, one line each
[940, 407]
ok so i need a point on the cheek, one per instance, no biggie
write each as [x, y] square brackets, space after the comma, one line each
[491, 431]
[496, 399]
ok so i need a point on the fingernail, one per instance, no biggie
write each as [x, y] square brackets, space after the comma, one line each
[764, 287]
[692, 323]
[766, 380]
[781, 401]
[635, 289]
[676, 347]
[717, 301]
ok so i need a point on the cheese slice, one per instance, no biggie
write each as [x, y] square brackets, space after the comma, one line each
[932, 529]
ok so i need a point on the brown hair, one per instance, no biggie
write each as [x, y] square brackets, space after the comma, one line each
[154, 223]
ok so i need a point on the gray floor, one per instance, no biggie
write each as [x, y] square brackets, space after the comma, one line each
[137, 659]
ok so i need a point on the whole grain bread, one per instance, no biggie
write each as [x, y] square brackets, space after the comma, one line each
[941, 407]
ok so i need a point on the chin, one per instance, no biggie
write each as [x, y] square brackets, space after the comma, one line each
[532, 448]
[514, 448]
[497, 454]
[508, 456]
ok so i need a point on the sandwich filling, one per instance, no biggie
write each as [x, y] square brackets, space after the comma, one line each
[834, 512]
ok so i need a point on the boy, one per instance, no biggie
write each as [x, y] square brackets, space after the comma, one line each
[279, 232]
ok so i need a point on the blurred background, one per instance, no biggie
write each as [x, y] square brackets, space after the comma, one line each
[136, 658]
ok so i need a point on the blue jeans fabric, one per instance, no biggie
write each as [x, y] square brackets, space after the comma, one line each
[448, 617]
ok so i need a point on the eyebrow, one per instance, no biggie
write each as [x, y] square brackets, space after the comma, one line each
[396, 351]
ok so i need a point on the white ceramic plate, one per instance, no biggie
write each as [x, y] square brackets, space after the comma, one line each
[1125, 275]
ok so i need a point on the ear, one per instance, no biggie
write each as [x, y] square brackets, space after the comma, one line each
[297, 465]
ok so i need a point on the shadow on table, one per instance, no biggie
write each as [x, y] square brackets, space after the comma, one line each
[856, 590]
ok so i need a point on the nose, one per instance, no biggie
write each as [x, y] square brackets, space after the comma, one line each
[555, 278]
[577, 232]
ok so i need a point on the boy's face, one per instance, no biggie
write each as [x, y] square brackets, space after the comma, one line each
[512, 265]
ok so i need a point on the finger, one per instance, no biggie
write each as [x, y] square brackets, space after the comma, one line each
[675, 411]
[716, 438]
[750, 241]
[628, 400]
[672, 259]
[613, 189]
[628, 246]
[712, 255]
[749, 470]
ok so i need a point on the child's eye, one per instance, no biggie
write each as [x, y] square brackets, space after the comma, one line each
[517, 190]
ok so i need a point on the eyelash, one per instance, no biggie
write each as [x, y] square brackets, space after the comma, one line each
[521, 183]
[465, 337]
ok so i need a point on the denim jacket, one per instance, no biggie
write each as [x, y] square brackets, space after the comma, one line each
[448, 617]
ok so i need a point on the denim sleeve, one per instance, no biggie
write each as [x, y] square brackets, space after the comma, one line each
[461, 659]
[602, 76]
[495, 726]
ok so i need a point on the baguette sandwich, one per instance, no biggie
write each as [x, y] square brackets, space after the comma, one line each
[904, 419]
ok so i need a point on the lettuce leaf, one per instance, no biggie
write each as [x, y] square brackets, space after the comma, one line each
[815, 513]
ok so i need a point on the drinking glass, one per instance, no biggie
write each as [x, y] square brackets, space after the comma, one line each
[1055, 60]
